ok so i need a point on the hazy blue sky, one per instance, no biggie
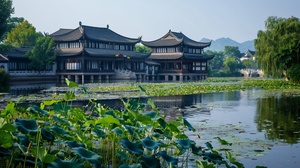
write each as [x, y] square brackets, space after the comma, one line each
[238, 19]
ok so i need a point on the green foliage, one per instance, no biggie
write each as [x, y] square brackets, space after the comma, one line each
[232, 51]
[217, 61]
[11, 23]
[231, 64]
[142, 49]
[24, 34]
[249, 64]
[6, 10]
[4, 81]
[278, 47]
[294, 73]
[42, 53]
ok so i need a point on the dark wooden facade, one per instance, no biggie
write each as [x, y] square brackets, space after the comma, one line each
[179, 57]
[92, 54]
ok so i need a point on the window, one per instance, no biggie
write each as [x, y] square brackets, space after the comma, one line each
[117, 47]
[171, 50]
[73, 65]
[74, 45]
[109, 46]
[122, 47]
[63, 45]
[102, 45]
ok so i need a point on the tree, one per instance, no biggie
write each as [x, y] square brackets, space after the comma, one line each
[231, 64]
[217, 61]
[249, 64]
[23, 34]
[142, 49]
[6, 10]
[11, 23]
[232, 51]
[278, 47]
[42, 53]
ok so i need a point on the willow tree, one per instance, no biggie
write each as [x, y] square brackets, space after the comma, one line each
[278, 48]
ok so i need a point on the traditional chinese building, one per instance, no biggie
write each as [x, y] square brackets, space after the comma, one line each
[91, 54]
[18, 66]
[178, 58]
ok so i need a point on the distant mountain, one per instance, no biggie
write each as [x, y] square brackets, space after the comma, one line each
[220, 43]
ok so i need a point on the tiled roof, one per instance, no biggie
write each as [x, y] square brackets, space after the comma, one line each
[107, 35]
[113, 53]
[173, 39]
[151, 62]
[92, 33]
[64, 35]
[15, 53]
[165, 56]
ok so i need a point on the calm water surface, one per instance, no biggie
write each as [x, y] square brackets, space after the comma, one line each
[263, 127]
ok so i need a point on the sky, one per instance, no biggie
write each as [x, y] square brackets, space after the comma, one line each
[239, 20]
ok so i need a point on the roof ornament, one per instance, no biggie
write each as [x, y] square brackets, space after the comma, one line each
[80, 23]
[107, 26]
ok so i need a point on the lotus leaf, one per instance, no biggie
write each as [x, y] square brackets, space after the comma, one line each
[47, 135]
[74, 144]
[73, 163]
[131, 166]
[153, 115]
[184, 143]
[190, 127]
[196, 150]
[150, 143]
[27, 126]
[87, 155]
[60, 131]
[167, 157]
[37, 110]
[6, 139]
[150, 162]
[108, 120]
[133, 147]
[71, 84]
[118, 131]
[110, 112]
[211, 157]
[99, 132]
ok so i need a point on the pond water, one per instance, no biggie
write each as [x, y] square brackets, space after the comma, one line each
[263, 127]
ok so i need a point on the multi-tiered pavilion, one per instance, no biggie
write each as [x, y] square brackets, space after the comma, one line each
[179, 58]
[91, 54]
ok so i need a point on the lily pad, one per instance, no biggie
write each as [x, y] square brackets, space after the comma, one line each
[27, 126]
